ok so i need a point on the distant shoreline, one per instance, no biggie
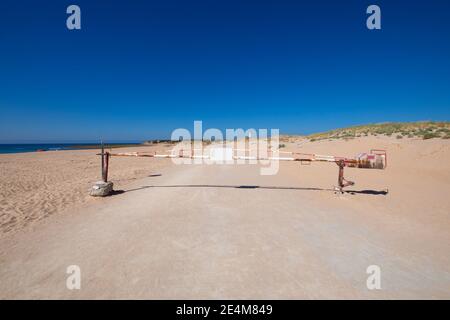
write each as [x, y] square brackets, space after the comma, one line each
[44, 147]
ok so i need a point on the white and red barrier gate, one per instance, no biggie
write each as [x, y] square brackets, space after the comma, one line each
[375, 159]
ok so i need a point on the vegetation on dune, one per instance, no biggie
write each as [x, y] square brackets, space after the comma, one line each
[399, 130]
[424, 130]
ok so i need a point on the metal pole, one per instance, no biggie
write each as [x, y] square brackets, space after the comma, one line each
[106, 166]
[103, 163]
[341, 180]
[341, 175]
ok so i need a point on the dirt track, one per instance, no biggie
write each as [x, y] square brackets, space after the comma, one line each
[227, 232]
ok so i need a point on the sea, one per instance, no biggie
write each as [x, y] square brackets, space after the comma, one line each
[19, 148]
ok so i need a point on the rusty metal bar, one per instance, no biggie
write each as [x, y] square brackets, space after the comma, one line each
[299, 157]
[103, 163]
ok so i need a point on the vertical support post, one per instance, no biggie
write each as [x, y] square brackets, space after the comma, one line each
[103, 163]
[341, 175]
[103, 188]
[341, 180]
[105, 179]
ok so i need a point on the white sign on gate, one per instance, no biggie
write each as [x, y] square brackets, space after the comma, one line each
[221, 155]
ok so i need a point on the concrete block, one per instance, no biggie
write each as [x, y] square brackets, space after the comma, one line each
[101, 189]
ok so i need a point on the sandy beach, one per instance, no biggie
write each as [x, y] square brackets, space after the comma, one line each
[35, 185]
[218, 231]
[225, 154]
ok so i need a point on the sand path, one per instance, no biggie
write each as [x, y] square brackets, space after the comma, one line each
[209, 232]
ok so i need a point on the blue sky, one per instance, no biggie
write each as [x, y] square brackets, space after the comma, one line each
[139, 69]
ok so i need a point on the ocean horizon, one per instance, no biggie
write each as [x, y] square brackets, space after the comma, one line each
[37, 147]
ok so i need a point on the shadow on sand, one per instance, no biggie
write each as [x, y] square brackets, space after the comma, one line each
[366, 192]
[371, 192]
